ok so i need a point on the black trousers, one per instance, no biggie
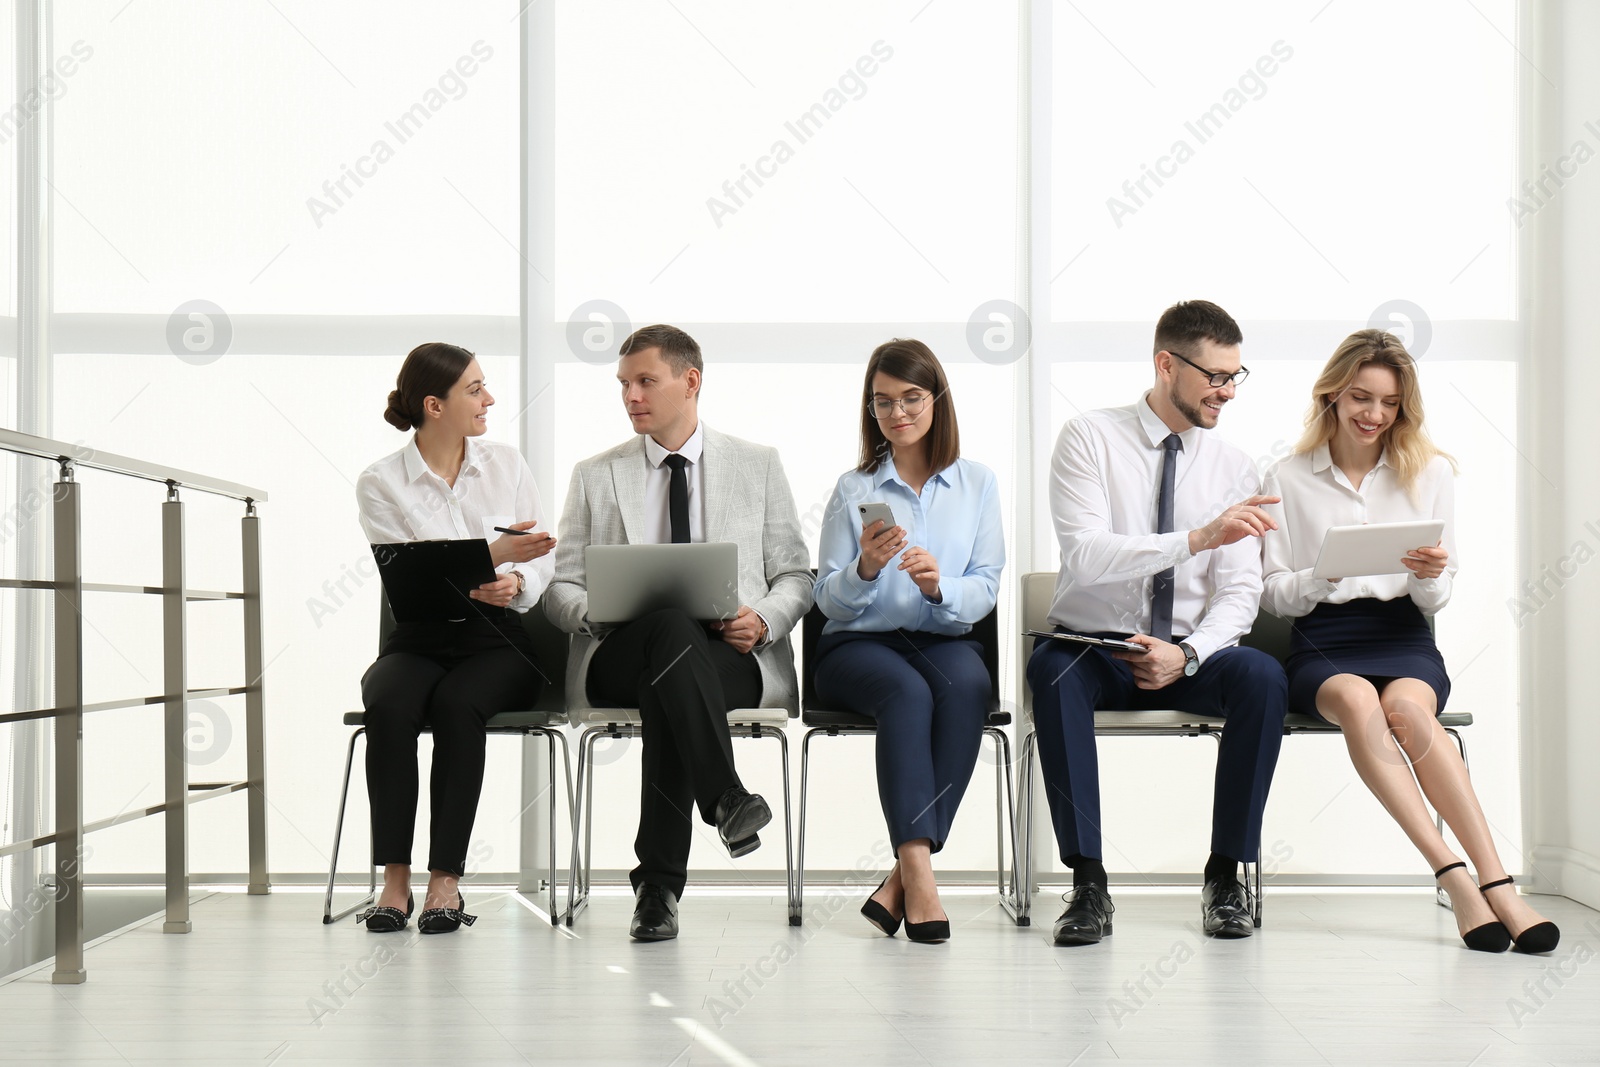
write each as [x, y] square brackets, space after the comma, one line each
[450, 677]
[684, 682]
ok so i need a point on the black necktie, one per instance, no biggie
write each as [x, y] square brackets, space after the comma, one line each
[678, 501]
[1161, 590]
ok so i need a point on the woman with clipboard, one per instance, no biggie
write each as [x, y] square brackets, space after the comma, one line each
[910, 558]
[1362, 654]
[451, 676]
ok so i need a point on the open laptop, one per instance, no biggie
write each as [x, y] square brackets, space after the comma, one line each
[628, 581]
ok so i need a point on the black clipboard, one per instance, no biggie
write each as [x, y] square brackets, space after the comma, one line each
[428, 581]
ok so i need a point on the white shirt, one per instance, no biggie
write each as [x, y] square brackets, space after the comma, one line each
[658, 487]
[1316, 495]
[401, 499]
[1105, 485]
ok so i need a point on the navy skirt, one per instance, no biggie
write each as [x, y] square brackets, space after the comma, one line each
[1379, 640]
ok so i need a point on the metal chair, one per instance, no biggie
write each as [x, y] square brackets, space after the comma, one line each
[545, 717]
[618, 723]
[1269, 634]
[836, 722]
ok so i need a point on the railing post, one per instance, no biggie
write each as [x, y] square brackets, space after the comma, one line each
[174, 654]
[69, 733]
[255, 668]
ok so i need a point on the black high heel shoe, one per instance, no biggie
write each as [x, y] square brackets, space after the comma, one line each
[1540, 937]
[387, 920]
[879, 916]
[932, 932]
[445, 920]
[1490, 937]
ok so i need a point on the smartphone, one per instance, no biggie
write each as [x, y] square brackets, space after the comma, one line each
[871, 513]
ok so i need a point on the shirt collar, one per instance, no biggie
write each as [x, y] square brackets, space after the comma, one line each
[472, 463]
[887, 472]
[657, 453]
[1322, 458]
[1156, 431]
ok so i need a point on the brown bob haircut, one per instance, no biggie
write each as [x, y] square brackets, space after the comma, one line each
[914, 362]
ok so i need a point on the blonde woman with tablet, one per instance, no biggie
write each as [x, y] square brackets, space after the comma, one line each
[1363, 655]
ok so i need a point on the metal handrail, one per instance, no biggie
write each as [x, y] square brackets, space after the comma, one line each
[68, 585]
[77, 454]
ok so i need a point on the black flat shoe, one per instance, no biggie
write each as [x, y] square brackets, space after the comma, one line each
[932, 932]
[387, 920]
[445, 920]
[1087, 918]
[739, 815]
[1224, 911]
[879, 916]
[1540, 937]
[655, 914]
[1490, 937]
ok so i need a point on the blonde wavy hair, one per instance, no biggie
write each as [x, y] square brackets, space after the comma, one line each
[1406, 441]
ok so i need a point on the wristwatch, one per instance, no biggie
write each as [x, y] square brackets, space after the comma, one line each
[1191, 659]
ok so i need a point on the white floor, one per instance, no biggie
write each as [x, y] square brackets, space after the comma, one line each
[1335, 977]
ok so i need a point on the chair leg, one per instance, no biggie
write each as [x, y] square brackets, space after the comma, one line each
[551, 737]
[1020, 901]
[1439, 895]
[578, 873]
[797, 902]
[1008, 791]
[338, 833]
[788, 822]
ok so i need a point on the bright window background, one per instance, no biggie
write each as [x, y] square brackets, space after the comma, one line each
[1367, 158]
[896, 218]
[187, 147]
[1305, 216]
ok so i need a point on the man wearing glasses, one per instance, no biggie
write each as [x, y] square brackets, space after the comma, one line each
[1157, 520]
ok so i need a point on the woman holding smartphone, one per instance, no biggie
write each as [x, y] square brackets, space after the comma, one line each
[900, 597]
[450, 676]
[1363, 655]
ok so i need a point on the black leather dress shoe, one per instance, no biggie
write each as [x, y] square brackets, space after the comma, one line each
[739, 816]
[1087, 918]
[1224, 912]
[655, 914]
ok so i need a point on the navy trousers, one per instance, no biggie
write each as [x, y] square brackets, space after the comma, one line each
[1070, 682]
[930, 696]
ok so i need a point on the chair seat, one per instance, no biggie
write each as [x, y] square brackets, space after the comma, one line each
[506, 720]
[579, 717]
[830, 717]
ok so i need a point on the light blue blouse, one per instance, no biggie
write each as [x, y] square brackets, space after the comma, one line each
[956, 519]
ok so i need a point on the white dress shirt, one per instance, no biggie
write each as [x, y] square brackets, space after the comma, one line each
[1105, 485]
[1316, 495]
[658, 487]
[402, 499]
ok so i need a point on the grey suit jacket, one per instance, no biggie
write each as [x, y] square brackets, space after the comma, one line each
[747, 501]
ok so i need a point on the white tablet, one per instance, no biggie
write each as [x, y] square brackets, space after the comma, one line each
[1373, 548]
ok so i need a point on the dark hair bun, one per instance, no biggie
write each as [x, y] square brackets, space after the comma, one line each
[394, 414]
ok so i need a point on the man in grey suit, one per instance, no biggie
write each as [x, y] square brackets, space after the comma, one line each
[681, 481]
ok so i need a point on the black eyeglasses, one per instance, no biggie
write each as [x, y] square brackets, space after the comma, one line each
[1216, 378]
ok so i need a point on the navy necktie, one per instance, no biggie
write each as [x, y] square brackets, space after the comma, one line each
[678, 500]
[1161, 589]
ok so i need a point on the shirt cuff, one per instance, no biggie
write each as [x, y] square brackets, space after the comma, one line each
[1175, 546]
[766, 636]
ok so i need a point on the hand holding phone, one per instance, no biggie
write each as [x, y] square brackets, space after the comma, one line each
[880, 540]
